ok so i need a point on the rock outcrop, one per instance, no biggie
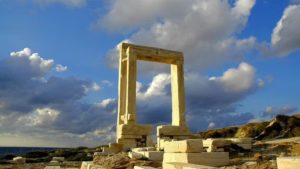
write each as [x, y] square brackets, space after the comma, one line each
[281, 126]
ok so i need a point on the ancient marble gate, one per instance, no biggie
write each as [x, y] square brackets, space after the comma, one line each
[129, 133]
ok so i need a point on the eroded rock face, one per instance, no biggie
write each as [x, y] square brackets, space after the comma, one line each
[281, 126]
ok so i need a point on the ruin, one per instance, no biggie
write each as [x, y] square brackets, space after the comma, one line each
[129, 133]
[176, 146]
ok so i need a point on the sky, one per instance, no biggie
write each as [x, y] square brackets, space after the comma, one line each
[59, 65]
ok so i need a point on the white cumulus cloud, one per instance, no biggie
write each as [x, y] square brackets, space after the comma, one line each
[238, 79]
[286, 34]
[93, 87]
[205, 30]
[45, 116]
[36, 61]
[207, 98]
[61, 68]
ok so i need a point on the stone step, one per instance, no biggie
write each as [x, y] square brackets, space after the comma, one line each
[184, 146]
[214, 159]
[176, 165]
[150, 155]
[86, 164]
[216, 142]
[288, 162]
[144, 167]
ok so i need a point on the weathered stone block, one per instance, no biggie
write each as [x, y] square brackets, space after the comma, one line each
[172, 131]
[113, 148]
[135, 155]
[214, 159]
[216, 142]
[54, 163]
[96, 167]
[154, 155]
[150, 155]
[135, 129]
[143, 167]
[52, 167]
[144, 149]
[288, 162]
[161, 142]
[214, 149]
[127, 136]
[245, 143]
[84, 164]
[177, 165]
[241, 140]
[127, 143]
[149, 140]
[100, 153]
[245, 146]
[19, 160]
[59, 159]
[181, 137]
[184, 146]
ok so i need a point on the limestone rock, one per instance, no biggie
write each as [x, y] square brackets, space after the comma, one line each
[59, 159]
[177, 165]
[184, 146]
[143, 167]
[135, 155]
[150, 155]
[85, 164]
[214, 159]
[19, 160]
[52, 167]
[288, 162]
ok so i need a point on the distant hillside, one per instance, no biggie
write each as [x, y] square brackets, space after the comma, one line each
[281, 126]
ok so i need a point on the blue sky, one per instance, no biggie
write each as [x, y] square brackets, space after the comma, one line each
[241, 64]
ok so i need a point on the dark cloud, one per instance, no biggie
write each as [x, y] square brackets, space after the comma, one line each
[33, 100]
[59, 91]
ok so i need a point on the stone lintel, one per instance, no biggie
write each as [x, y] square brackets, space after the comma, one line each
[153, 54]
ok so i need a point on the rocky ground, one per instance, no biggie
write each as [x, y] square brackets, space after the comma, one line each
[40, 159]
[269, 144]
[122, 161]
[262, 156]
[71, 164]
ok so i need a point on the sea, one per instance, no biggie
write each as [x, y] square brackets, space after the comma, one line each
[23, 150]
